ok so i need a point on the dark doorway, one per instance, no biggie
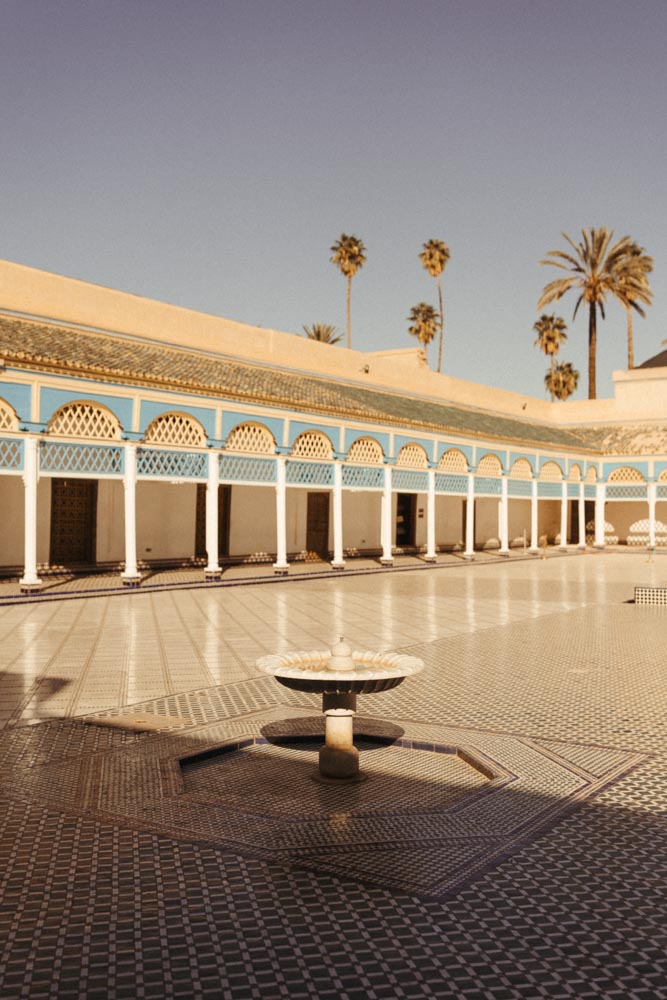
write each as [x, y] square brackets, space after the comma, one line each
[224, 511]
[406, 506]
[317, 525]
[73, 522]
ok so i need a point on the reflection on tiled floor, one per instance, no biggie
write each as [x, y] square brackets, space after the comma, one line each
[121, 879]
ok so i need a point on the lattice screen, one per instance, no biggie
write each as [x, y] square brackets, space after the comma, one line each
[89, 459]
[8, 420]
[575, 474]
[662, 478]
[626, 475]
[366, 451]
[453, 461]
[312, 444]
[591, 475]
[251, 439]
[175, 428]
[521, 469]
[412, 456]
[84, 420]
[489, 465]
[551, 472]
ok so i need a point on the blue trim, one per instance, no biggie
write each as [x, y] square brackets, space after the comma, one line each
[356, 435]
[18, 397]
[658, 467]
[465, 449]
[32, 427]
[149, 410]
[232, 419]
[608, 467]
[132, 435]
[51, 400]
[297, 427]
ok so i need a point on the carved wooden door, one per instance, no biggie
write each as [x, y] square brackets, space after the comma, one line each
[73, 522]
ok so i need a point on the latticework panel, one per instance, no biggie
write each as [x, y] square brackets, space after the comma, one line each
[549, 491]
[591, 475]
[84, 420]
[86, 459]
[253, 439]
[575, 473]
[8, 419]
[409, 480]
[309, 474]
[176, 428]
[366, 451]
[551, 472]
[662, 478]
[487, 485]
[312, 444]
[448, 483]
[573, 491]
[519, 488]
[626, 474]
[521, 469]
[171, 464]
[363, 477]
[412, 456]
[662, 492]
[453, 461]
[11, 453]
[610, 536]
[626, 492]
[590, 491]
[489, 465]
[639, 533]
[235, 469]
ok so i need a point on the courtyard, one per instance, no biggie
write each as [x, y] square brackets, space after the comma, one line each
[137, 861]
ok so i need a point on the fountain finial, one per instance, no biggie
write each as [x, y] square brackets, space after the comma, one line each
[341, 656]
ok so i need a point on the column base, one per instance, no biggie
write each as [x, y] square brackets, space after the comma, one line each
[504, 552]
[384, 561]
[281, 569]
[469, 556]
[430, 559]
[599, 547]
[130, 579]
[337, 565]
[30, 586]
[534, 552]
[212, 574]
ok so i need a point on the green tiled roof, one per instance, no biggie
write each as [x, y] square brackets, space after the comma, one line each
[104, 357]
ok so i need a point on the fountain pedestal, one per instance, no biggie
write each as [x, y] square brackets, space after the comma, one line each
[339, 758]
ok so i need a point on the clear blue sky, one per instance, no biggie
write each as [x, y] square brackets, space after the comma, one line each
[208, 153]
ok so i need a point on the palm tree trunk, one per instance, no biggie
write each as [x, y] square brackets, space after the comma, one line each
[552, 359]
[631, 346]
[349, 322]
[442, 326]
[592, 347]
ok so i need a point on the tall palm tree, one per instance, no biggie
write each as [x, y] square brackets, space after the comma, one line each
[434, 257]
[349, 255]
[562, 380]
[551, 334]
[423, 323]
[633, 288]
[323, 332]
[595, 267]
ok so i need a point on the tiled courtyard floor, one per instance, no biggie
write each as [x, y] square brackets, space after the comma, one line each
[537, 870]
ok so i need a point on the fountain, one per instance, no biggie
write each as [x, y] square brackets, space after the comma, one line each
[339, 675]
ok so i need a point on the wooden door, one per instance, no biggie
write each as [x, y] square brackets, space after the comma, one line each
[73, 522]
[405, 520]
[224, 512]
[317, 525]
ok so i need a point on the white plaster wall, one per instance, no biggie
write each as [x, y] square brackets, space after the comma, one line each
[110, 521]
[449, 522]
[252, 520]
[361, 520]
[166, 516]
[11, 521]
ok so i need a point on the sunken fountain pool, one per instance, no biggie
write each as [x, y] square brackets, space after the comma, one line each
[339, 675]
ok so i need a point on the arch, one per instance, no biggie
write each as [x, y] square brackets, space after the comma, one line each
[412, 456]
[8, 418]
[366, 451]
[489, 466]
[662, 478]
[313, 444]
[591, 475]
[175, 428]
[253, 439]
[81, 419]
[453, 461]
[521, 469]
[575, 473]
[551, 472]
[626, 474]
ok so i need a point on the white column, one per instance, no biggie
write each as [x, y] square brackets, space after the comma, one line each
[130, 575]
[533, 518]
[469, 552]
[652, 495]
[430, 518]
[582, 516]
[30, 581]
[338, 562]
[599, 515]
[563, 516]
[387, 558]
[503, 517]
[280, 565]
[212, 570]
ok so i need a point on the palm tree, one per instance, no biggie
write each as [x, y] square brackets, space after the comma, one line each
[423, 323]
[349, 255]
[562, 380]
[550, 335]
[633, 288]
[434, 256]
[324, 332]
[595, 268]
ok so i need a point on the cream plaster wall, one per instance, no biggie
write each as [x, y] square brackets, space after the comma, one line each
[518, 519]
[166, 515]
[11, 521]
[361, 520]
[623, 514]
[449, 521]
[486, 520]
[548, 518]
[43, 520]
[110, 545]
[253, 521]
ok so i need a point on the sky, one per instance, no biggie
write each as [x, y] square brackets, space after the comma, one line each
[209, 154]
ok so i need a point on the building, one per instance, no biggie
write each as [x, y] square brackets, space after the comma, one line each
[134, 432]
